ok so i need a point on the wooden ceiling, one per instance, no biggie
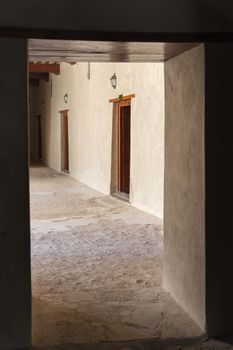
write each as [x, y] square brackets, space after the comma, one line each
[43, 51]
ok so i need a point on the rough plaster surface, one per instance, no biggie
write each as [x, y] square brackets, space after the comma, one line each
[90, 126]
[97, 267]
[184, 221]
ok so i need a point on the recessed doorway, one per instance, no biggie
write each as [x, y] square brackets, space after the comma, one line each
[64, 141]
[90, 249]
[124, 148]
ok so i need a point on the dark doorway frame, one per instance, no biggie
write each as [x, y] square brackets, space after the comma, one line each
[213, 26]
[118, 104]
[123, 146]
[124, 140]
[64, 141]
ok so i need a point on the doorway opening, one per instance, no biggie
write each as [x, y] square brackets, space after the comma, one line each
[39, 137]
[64, 141]
[124, 148]
[97, 262]
[121, 152]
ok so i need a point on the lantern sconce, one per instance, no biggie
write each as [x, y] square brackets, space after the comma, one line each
[113, 80]
[65, 98]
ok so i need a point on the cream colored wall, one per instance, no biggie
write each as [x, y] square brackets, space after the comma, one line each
[90, 126]
[184, 216]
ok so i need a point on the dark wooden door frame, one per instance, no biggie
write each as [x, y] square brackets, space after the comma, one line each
[118, 102]
[64, 141]
[121, 181]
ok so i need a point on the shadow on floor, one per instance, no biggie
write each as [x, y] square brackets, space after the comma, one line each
[150, 344]
[226, 339]
[110, 323]
[146, 344]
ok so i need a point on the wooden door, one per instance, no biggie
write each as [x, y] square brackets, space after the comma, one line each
[124, 148]
[65, 141]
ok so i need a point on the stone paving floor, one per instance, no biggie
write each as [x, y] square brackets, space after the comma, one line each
[211, 344]
[97, 266]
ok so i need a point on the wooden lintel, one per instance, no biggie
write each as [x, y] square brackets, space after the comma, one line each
[122, 98]
[44, 68]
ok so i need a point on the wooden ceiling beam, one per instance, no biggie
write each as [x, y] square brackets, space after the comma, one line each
[44, 68]
[107, 46]
[97, 51]
[105, 58]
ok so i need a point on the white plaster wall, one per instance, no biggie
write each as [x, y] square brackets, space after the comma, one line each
[90, 126]
[184, 216]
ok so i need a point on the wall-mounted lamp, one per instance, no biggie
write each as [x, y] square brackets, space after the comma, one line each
[42, 104]
[65, 98]
[113, 80]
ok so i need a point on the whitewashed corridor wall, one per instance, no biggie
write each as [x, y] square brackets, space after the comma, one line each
[90, 125]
